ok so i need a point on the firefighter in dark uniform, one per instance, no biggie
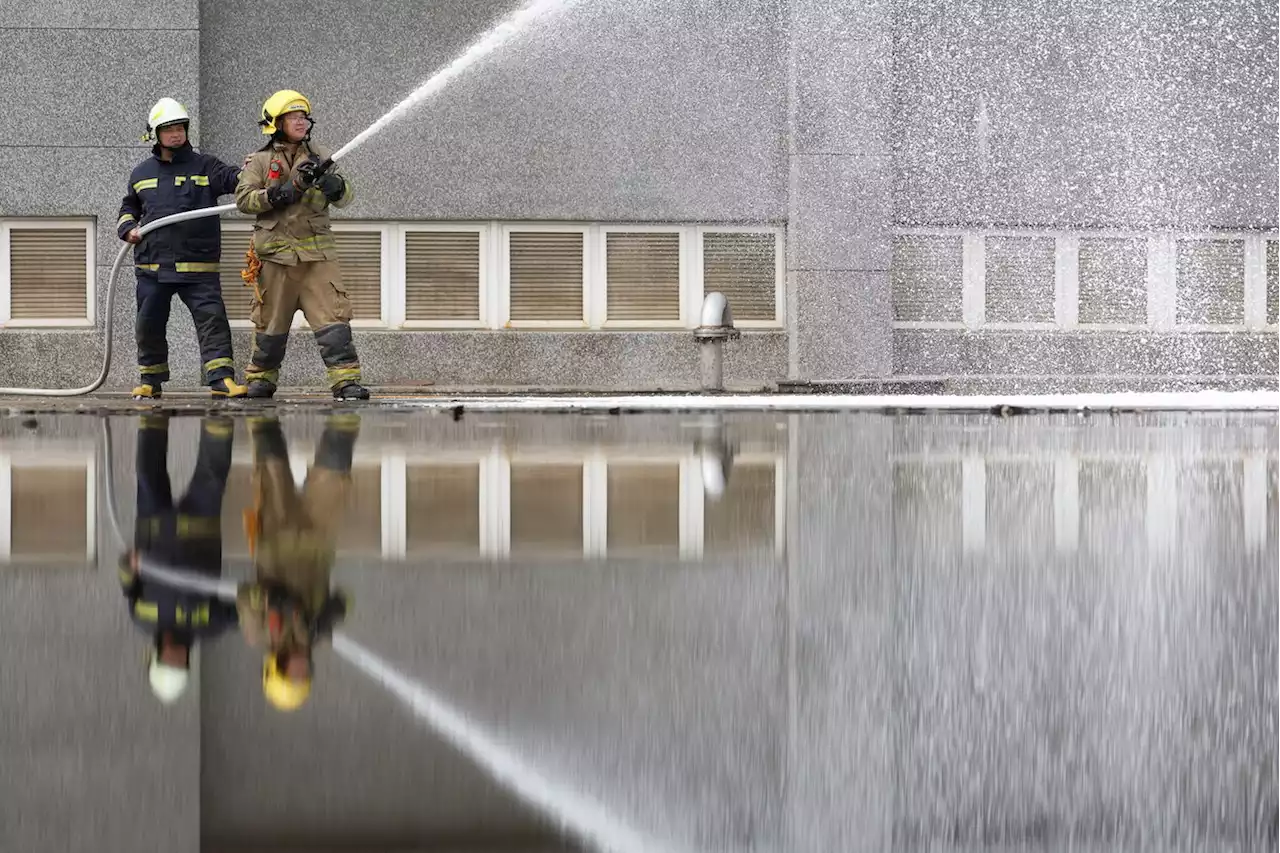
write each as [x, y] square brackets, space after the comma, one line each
[187, 537]
[179, 259]
[292, 537]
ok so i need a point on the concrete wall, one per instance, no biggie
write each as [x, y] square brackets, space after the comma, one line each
[842, 121]
[630, 113]
[1100, 114]
[840, 177]
[1139, 117]
[644, 112]
[101, 61]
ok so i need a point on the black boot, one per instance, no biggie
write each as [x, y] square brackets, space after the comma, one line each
[148, 389]
[261, 389]
[350, 390]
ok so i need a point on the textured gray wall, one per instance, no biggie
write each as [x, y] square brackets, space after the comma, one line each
[1030, 354]
[1125, 115]
[114, 60]
[632, 111]
[1131, 114]
[840, 178]
[622, 113]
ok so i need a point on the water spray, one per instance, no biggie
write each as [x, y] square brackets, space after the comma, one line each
[503, 32]
[486, 44]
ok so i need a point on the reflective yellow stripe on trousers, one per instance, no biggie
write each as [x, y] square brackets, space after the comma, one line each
[214, 364]
[197, 266]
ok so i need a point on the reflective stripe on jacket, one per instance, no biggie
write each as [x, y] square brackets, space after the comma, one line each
[300, 232]
[191, 181]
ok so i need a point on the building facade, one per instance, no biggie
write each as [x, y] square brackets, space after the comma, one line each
[1006, 192]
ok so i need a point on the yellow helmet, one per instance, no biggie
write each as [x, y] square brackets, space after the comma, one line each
[284, 101]
[282, 692]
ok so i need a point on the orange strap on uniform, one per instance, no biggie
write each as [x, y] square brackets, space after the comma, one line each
[250, 272]
[252, 527]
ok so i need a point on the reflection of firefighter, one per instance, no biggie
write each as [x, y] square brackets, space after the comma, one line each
[292, 540]
[186, 537]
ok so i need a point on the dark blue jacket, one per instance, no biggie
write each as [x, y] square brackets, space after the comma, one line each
[190, 181]
[155, 606]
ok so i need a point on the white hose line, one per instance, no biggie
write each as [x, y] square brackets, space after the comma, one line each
[110, 306]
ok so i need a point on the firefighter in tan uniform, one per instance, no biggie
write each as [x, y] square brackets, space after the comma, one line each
[290, 607]
[293, 261]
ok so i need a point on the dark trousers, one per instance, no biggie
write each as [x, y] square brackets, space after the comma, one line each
[202, 294]
[189, 534]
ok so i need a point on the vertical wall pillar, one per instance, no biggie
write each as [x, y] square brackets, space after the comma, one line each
[839, 300]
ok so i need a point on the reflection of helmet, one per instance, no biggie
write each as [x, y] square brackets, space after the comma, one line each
[283, 693]
[166, 111]
[284, 101]
[168, 683]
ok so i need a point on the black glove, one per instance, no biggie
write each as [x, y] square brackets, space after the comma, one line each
[307, 171]
[283, 195]
[332, 186]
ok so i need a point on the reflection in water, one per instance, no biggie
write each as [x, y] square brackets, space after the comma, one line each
[188, 537]
[801, 633]
[288, 606]
[292, 535]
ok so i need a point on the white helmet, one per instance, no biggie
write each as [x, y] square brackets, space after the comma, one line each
[165, 111]
[168, 683]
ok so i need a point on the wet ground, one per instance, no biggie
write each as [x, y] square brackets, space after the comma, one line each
[692, 632]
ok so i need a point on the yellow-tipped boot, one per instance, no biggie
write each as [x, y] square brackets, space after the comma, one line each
[147, 391]
[227, 387]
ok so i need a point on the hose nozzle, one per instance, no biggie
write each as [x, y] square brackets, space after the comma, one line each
[311, 171]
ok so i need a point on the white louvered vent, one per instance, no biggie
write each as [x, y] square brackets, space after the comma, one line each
[742, 266]
[47, 274]
[928, 278]
[643, 276]
[442, 275]
[546, 275]
[360, 258]
[1113, 280]
[1020, 279]
[237, 295]
[1210, 282]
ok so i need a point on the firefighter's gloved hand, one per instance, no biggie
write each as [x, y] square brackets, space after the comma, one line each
[283, 195]
[332, 186]
[307, 171]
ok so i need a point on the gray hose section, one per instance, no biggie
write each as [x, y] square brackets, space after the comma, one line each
[107, 316]
[223, 589]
